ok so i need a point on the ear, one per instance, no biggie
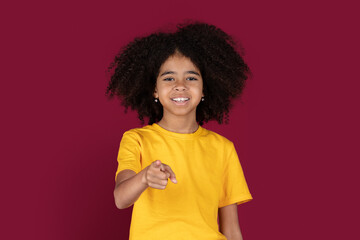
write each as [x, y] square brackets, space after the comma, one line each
[155, 94]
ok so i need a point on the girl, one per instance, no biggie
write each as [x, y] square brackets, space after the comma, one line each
[178, 81]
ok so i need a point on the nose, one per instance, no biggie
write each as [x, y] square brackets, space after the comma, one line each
[180, 86]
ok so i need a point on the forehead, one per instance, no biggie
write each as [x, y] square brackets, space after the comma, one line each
[178, 62]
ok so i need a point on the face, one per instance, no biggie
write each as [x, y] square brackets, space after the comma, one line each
[179, 86]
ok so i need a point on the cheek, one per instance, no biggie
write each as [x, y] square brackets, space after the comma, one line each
[200, 90]
[163, 91]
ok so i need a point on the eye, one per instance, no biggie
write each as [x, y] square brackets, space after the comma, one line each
[168, 79]
[191, 78]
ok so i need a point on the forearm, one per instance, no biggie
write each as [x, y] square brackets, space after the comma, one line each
[129, 190]
[229, 222]
[233, 236]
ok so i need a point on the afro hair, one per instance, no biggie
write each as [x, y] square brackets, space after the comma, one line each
[136, 68]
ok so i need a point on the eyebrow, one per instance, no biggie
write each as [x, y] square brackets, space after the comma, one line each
[171, 72]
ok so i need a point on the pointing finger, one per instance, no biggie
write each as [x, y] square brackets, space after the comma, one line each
[172, 174]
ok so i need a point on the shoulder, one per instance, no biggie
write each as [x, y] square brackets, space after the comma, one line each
[139, 132]
[216, 138]
[223, 147]
[135, 137]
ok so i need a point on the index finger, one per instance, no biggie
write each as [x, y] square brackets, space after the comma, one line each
[172, 174]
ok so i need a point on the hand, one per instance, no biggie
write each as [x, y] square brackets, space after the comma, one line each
[157, 174]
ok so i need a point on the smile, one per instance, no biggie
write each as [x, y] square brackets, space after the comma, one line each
[180, 100]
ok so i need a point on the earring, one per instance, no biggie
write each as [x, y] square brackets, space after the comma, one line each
[202, 99]
[156, 100]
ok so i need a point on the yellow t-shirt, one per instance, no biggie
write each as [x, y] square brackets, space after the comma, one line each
[209, 176]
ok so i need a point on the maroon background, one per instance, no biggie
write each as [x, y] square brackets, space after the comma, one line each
[296, 130]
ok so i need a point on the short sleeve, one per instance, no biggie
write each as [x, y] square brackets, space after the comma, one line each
[129, 154]
[234, 186]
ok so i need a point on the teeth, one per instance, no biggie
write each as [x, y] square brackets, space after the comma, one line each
[180, 99]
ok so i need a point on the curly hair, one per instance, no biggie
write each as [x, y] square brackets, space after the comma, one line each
[136, 67]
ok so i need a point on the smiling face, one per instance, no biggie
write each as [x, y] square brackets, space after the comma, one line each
[179, 87]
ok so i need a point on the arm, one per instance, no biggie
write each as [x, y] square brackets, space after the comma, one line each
[229, 222]
[128, 188]
[129, 185]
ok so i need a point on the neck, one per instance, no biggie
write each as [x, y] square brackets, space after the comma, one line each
[179, 124]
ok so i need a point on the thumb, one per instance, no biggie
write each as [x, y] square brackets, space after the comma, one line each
[157, 164]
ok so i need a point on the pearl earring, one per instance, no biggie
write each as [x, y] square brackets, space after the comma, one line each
[156, 100]
[202, 99]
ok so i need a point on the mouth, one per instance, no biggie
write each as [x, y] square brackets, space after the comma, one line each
[180, 100]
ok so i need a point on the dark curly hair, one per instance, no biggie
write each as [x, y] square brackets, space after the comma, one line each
[136, 67]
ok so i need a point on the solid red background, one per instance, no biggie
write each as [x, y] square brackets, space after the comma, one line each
[295, 129]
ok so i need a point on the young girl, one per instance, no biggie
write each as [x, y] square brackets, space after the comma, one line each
[178, 81]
